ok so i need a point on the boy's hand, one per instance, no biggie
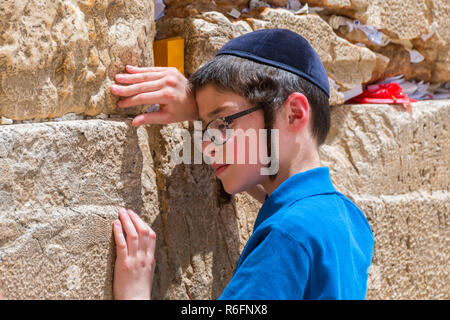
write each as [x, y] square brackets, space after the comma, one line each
[135, 262]
[156, 85]
[258, 192]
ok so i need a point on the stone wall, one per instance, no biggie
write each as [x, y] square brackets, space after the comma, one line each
[394, 166]
[70, 158]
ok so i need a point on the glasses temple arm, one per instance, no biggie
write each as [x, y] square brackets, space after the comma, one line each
[240, 114]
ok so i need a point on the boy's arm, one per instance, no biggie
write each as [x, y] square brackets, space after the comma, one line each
[258, 192]
[156, 85]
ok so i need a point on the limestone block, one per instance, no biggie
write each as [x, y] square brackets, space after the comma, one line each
[411, 253]
[66, 159]
[394, 167]
[173, 3]
[61, 184]
[336, 4]
[62, 56]
[277, 3]
[220, 3]
[177, 8]
[434, 68]
[382, 150]
[436, 51]
[399, 18]
[57, 253]
[403, 20]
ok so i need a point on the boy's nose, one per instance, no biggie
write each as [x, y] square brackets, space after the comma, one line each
[208, 148]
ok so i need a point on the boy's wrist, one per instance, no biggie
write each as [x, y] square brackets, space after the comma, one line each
[132, 295]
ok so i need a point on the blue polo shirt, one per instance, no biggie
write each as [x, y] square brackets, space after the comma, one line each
[309, 242]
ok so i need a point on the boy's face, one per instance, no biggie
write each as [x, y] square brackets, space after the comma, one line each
[241, 152]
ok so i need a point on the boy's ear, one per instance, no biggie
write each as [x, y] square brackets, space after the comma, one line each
[297, 111]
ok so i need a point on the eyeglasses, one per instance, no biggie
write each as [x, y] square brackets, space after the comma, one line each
[218, 131]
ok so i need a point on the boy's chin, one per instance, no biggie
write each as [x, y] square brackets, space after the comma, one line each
[232, 186]
[239, 178]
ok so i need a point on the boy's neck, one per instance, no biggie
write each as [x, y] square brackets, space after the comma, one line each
[296, 165]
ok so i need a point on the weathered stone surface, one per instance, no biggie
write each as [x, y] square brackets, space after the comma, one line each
[434, 68]
[61, 56]
[400, 20]
[61, 184]
[66, 159]
[436, 51]
[235, 3]
[411, 253]
[394, 167]
[177, 8]
[374, 144]
[57, 253]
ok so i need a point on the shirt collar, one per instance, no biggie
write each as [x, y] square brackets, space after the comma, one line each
[298, 186]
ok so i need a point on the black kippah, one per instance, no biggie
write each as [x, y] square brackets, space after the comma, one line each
[283, 49]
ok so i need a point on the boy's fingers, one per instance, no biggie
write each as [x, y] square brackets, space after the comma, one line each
[127, 78]
[158, 117]
[143, 230]
[133, 89]
[132, 236]
[121, 244]
[143, 98]
[134, 69]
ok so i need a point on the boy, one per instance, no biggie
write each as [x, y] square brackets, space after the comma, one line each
[309, 241]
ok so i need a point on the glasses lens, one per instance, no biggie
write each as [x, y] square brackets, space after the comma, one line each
[217, 131]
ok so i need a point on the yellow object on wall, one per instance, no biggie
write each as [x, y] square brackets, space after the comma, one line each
[169, 53]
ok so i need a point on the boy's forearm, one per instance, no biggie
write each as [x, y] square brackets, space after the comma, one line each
[258, 192]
